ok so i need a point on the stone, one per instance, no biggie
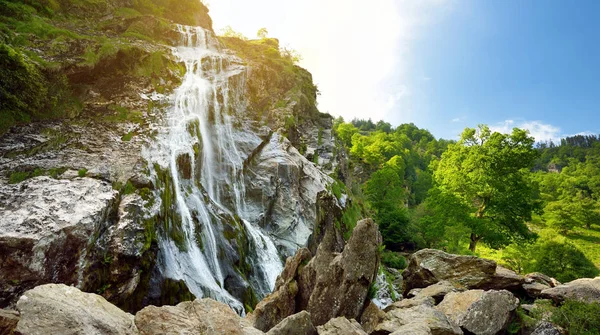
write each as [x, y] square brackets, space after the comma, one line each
[536, 277]
[425, 316]
[371, 317]
[282, 302]
[297, 324]
[201, 316]
[45, 230]
[534, 290]
[412, 302]
[428, 266]
[436, 291]
[585, 290]
[413, 329]
[341, 326]
[61, 309]
[8, 321]
[547, 328]
[478, 311]
[503, 279]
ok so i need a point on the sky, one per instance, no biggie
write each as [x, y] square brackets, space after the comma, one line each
[442, 64]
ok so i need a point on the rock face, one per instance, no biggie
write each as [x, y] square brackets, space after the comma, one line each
[61, 309]
[436, 291]
[428, 266]
[478, 311]
[584, 290]
[341, 326]
[205, 316]
[331, 284]
[546, 328]
[45, 227]
[297, 324]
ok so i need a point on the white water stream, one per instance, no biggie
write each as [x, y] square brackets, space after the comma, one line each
[208, 99]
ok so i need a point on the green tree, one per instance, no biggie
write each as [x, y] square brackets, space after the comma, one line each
[561, 215]
[345, 131]
[262, 33]
[490, 174]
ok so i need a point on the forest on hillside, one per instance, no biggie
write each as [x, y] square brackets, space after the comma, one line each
[530, 206]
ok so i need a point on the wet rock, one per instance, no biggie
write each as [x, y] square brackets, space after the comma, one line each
[428, 266]
[297, 324]
[8, 321]
[341, 326]
[61, 309]
[46, 226]
[420, 316]
[585, 290]
[202, 316]
[478, 311]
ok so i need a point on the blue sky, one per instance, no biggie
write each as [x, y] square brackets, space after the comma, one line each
[442, 64]
[535, 63]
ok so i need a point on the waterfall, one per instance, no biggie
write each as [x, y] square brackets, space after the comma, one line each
[198, 150]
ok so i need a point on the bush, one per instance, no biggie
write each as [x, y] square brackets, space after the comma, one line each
[578, 317]
[562, 261]
[393, 260]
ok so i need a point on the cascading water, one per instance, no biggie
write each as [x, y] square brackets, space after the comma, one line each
[205, 168]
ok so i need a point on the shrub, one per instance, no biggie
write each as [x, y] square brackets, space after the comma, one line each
[393, 260]
[562, 261]
[578, 317]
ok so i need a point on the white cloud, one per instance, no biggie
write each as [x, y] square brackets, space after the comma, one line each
[539, 130]
[354, 49]
[458, 119]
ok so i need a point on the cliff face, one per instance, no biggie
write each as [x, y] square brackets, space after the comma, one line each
[89, 98]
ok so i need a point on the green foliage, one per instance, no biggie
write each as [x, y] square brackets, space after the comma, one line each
[82, 172]
[262, 33]
[345, 131]
[393, 260]
[127, 137]
[19, 176]
[562, 261]
[578, 317]
[489, 173]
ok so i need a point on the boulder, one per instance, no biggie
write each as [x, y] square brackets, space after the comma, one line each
[584, 290]
[371, 317]
[61, 309]
[436, 291]
[331, 284]
[46, 226]
[536, 277]
[413, 329]
[428, 266]
[534, 290]
[282, 302]
[478, 311]
[201, 316]
[341, 326]
[8, 321]
[412, 302]
[297, 324]
[420, 317]
[503, 279]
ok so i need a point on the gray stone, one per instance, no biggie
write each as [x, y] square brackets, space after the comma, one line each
[412, 302]
[297, 324]
[547, 328]
[341, 326]
[413, 329]
[480, 312]
[423, 315]
[61, 309]
[436, 291]
[584, 290]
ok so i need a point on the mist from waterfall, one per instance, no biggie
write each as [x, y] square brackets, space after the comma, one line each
[200, 135]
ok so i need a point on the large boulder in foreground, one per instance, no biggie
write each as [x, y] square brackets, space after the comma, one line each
[428, 266]
[341, 326]
[585, 290]
[61, 309]
[202, 316]
[297, 324]
[331, 284]
[46, 226]
[479, 312]
[420, 319]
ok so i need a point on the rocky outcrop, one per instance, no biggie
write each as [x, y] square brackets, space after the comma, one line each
[371, 317]
[584, 290]
[547, 328]
[428, 266]
[46, 227]
[436, 291]
[478, 311]
[60, 309]
[8, 321]
[341, 326]
[202, 316]
[297, 324]
[331, 284]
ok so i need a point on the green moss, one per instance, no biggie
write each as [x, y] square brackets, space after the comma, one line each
[127, 137]
[127, 13]
[128, 189]
[82, 172]
[19, 176]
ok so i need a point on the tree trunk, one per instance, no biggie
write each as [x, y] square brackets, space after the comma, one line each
[473, 244]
